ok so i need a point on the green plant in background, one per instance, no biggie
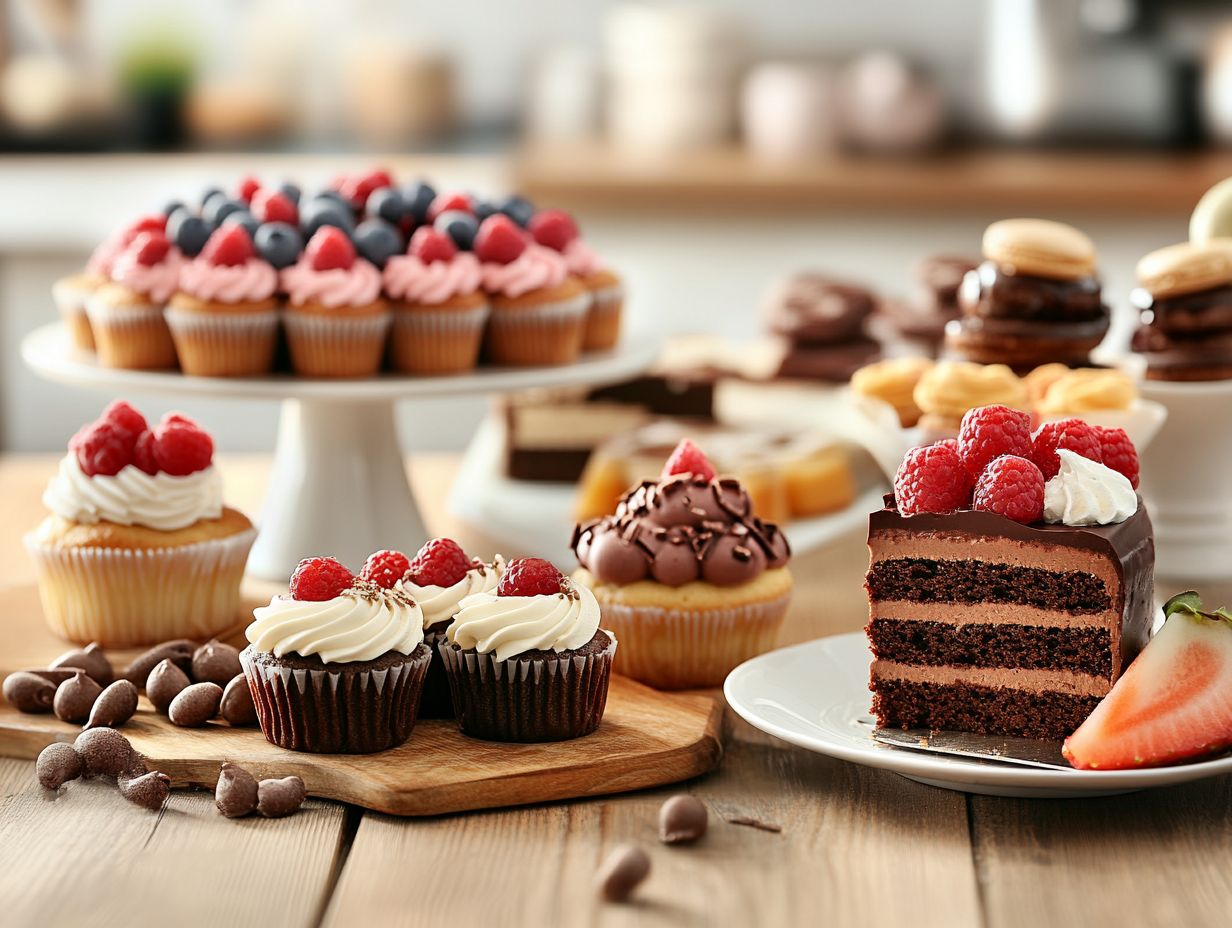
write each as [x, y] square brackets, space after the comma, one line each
[157, 61]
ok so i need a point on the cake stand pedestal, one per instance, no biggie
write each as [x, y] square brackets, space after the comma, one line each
[339, 484]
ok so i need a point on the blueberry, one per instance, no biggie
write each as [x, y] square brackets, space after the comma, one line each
[172, 206]
[243, 218]
[334, 196]
[377, 240]
[218, 208]
[290, 191]
[324, 211]
[174, 218]
[418, 197]
[279, 243]
[190, 234]
[483, 209]
[459, 226]
[209, 193]
[387, 204]
[518, 209]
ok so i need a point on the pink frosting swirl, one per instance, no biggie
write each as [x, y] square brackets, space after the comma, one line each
[533, 269]
[408, 278]
[156, 281]
[358, 285]
[105, 254]
[250, 282]
[581, 259]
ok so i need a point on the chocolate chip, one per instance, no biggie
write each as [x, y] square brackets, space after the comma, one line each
[106, 752]
[215, 662]
[28, 692]
[276, 798]
[237, 706]
[115, 706]
[91, 659]
[236, 792]
[622, 872]
[195, 705]
[54, 676]
[165, 682]
[749, 822]
[179, 651]
[57, 764]
[148, 789]
[75, 698]
[682, 819]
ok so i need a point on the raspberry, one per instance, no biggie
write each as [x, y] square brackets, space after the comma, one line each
[144, 224]
[687, 458]
[247, 188]
[441, 562]
[499, 240]
[553, 228]
[530, 576]
[181, 449]
[275, 206]
[1071, 434]
[228, 246]
[429, 245]
[178, 418]
[103, 449]
[149, 248]
[317, 579]
[988, 432]
[143, 453]
[330, 249]
[1011, 486]
[384, 568]
[358, 189]
[123, 415]
[444, 202]
[1119, 453]
[932, 478]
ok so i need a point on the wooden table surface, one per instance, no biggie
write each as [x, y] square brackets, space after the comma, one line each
[857, 847]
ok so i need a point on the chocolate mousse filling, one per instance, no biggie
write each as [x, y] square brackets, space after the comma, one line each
[989, 292]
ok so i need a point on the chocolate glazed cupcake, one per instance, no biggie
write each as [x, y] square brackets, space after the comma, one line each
[528, 661]
[341, 673]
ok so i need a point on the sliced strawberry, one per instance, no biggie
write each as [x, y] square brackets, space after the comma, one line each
[687, 458]
[330, 249]
[1172, 704]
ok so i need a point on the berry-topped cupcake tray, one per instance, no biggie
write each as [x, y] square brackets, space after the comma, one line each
[647, 738]
[339, 480]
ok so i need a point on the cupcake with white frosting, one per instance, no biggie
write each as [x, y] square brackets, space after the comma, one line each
[337, 665]
[139, 547]
[527, 661]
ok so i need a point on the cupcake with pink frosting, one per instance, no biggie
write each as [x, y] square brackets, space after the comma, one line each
[224, 317]
[438, 307]
[538, 308]
[336, 319]
[126, 313]
[555, 229]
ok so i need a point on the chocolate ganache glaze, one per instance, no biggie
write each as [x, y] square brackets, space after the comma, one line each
[680, 529]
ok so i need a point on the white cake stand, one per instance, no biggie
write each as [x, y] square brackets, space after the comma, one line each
[338, 483]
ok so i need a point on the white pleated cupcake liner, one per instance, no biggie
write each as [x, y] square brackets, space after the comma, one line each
[543, 698]
[130, 336]
[606, 297]
[688, 648]
[323, 346]
[124, 597]
[224, 344]
[547, 334]
[337, 711]
[421, 321]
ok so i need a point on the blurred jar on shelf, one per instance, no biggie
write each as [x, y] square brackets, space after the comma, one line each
[790, 110]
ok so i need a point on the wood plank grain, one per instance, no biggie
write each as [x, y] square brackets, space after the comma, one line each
[1152, 858]
[851, 853]
[83, 855]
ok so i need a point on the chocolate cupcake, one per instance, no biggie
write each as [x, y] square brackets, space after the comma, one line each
[527, 661]
[338, 665]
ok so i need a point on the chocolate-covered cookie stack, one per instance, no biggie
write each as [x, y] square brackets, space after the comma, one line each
[1036, 298]
[922, 319]
[822, 321]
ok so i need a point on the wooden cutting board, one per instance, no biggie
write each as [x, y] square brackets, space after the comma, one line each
[646, 739]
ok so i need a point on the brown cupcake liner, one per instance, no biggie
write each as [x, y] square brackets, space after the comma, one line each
[224, 344]
[123, 597]
[603, 320]
[428, 341]
[343, 347]
[71, 301]
[131, 337]
[437, 700]
[343, 709]
[545, 697]
[539, 335]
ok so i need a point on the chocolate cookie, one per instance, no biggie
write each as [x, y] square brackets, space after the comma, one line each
[817, 310]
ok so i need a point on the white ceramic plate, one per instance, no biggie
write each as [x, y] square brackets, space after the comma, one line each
[815, 696]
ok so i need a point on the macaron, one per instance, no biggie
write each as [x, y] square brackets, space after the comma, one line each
[1039, 247]
[1186, 267]
[1212, 217]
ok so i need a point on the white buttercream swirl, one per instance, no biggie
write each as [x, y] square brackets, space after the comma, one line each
[440, 603]
[132, 497]
[513, 625]
[1085, 492]
[360, 625]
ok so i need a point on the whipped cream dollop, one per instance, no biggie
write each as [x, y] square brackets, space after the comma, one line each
[439, 603]
[534, 269]
[156, 281]
[513, 625]
[251, 282]
[360, 625]
[132, 497]
[357, 285]
[1085, 492]
[408, 278]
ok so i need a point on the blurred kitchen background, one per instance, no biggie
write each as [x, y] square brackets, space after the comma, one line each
[707, 148]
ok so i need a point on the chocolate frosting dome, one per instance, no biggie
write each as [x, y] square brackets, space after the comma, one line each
[680, 529]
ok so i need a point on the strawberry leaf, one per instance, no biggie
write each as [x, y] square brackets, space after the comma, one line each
[1189, 602]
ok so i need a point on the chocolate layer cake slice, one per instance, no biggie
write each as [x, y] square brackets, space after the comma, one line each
[981, 624]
